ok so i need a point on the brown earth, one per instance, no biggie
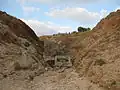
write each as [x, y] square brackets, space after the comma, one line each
[98, 59]
[20, 49]
[51, 80]
[96, 53]
[95, 57]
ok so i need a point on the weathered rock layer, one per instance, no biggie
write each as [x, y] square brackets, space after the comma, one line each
[99, 57]
[20, 48]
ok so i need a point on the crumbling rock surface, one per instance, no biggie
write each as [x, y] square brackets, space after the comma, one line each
[20, 49]
[96, 56]
[99, 57]
[53, 48]
[96, 53]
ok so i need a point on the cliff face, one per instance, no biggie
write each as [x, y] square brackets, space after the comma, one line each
[96, 53]
[99, 57]
[20, 48]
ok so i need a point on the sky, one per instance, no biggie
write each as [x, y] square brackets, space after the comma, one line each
[48, 17]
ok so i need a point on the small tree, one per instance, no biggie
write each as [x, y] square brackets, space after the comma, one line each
[82, 29]
[74, 32]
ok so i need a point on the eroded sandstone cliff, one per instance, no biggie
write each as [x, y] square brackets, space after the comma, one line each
[99, 57]
[21, 51]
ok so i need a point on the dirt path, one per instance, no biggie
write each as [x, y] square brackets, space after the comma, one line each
[51, 80]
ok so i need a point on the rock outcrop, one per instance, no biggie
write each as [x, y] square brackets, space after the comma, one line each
[53, 48]
[95, 53]
[21, 51]
[98, 56]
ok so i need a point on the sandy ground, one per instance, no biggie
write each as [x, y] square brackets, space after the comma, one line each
[50, 80]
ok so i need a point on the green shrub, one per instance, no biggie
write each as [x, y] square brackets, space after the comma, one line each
[82, 29]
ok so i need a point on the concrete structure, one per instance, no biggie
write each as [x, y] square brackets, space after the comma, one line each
[63, 61]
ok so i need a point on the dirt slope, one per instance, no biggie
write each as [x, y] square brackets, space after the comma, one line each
[20, 49]
[96, 52]
[52, 80]
[96, 57]
[99, 57]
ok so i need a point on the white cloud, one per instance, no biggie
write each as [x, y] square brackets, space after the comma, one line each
[81, 15]
[28, 10]
[46, 28]
[69, 1]
[59, 1]
[21, 1]
[103, 13]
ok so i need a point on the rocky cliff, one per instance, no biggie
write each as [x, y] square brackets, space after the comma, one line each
[98, 56]
[21, 51]
[96, 53]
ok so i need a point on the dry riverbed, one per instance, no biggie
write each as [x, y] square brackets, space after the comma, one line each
[50, 80]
